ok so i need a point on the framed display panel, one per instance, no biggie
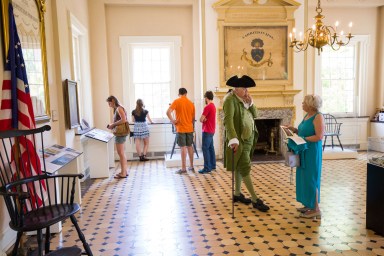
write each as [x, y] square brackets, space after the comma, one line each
[29, 18]
[71, 104]
[261, 52]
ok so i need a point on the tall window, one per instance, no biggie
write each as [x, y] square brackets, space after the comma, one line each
[151, 71]
[81, 68]
[342, 78]
[338, 79]
[76, 67]
[33, 62]
[151, 77]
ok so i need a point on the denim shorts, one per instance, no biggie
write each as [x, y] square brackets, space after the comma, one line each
[120, 139]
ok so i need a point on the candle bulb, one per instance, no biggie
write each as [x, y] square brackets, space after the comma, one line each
[301, 36]
[290, 37]
[294, 33]
[350, 27]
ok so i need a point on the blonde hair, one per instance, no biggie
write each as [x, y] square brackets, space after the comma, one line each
[313, 101]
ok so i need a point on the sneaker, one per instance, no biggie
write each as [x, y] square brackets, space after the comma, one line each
[181, 171]
[259, 205]
[203, 171]
[241, 198]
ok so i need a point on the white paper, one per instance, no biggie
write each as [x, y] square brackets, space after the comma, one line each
[288, 134]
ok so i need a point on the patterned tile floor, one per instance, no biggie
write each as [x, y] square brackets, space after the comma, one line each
[157, 212]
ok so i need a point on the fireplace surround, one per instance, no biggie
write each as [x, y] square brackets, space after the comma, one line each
[285, 115]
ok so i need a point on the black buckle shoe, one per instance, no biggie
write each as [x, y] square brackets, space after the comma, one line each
[259, 205]
[241, 198]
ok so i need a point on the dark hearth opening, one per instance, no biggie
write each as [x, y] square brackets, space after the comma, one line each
[268, 144]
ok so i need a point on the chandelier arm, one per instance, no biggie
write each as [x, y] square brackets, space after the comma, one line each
[337, 48]
[332, 35]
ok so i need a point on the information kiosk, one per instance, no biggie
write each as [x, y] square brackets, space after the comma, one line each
[100, 153]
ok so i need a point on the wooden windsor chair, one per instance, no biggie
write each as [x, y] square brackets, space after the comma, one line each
[35, 199]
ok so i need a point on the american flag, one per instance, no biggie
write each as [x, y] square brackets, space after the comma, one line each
[16, 111]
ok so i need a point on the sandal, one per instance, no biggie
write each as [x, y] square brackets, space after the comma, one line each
[303, 209]
[311, 214]
[191, 169]
[119, 176]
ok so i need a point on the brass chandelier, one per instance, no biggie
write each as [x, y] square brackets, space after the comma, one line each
[320, 35]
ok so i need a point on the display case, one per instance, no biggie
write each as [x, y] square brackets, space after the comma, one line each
[375, 188]
[375, 151]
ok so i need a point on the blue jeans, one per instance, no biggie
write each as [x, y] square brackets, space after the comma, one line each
[208, 152]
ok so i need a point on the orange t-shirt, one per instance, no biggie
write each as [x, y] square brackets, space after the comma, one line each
[185, 114]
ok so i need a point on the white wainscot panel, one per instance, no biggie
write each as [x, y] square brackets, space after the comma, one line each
[160, 141]
[377, 129]
[354, 131]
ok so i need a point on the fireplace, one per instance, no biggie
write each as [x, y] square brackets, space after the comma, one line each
[268, 121]
[269, 136]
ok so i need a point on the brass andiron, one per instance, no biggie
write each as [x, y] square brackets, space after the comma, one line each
[272, 148]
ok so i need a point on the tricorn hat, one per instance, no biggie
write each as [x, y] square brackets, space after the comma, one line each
[244, 81]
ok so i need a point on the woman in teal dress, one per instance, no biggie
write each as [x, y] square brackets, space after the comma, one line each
[308, 176]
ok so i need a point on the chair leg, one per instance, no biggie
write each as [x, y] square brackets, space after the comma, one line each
[81, 236]
[39, 242]
[173, 147]
[47, 239]
[340, 143]
[325, 141]
[194, 146]
[332, 141]
[16, 246]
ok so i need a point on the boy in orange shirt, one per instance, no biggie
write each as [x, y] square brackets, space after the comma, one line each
[185, 116]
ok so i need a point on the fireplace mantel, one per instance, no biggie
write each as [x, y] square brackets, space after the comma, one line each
[265, 98]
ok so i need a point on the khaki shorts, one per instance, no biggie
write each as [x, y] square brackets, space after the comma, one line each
[185, 139]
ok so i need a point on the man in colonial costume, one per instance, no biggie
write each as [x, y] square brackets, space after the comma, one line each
[241, 137]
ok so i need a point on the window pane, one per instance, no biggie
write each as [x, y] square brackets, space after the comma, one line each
[338, 78]
[151, 77]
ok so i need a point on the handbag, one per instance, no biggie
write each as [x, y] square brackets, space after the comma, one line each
[121, 129]
[291, 159]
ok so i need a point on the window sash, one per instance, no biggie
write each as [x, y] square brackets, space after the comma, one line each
[162, 72]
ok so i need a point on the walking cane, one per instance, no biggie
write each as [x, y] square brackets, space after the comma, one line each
[233, 182]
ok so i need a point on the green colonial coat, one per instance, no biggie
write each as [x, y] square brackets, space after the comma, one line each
[234, 111]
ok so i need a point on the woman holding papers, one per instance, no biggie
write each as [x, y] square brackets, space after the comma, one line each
[308, 176]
